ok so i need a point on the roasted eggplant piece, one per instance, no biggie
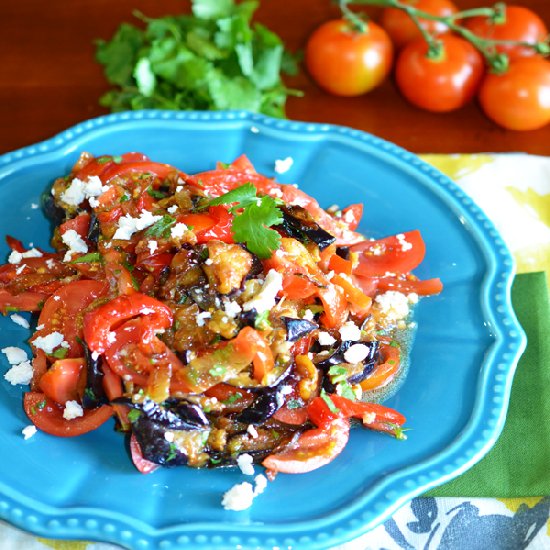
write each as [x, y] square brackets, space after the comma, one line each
[53, 212]
[93, 230]
[299, 224]
[154, 446]
[298, 328]
[94, 394]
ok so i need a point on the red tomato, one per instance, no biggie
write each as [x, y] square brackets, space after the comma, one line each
[439, 84]
[47, 416]
[218, 182]
[26, 301]
[352, 215]
[395, 254]
[80, 224]
[402, 29]
[99, 322]
[313, 449]
[520, 98]
[64, 380]
[520, 24]
[62, 312]
[140, 167]
[214, 226]
[427, 287]
[347, 62]
[335, 305]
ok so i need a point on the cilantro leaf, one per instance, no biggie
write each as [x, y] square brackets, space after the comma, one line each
[215, 58]
[244, 195]
[252, 227]
[90, 258]
[161, 228]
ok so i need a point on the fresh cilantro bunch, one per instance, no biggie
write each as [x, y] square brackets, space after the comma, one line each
[212, 59]
[253, 218]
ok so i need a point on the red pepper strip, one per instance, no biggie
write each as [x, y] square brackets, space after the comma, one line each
[216, 225]
[427, 287]
[321, 414]
[26, 301]
[80, 224]
[99, 323]
[15, 244]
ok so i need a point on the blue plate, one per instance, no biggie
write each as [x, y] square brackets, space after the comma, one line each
[455, 396]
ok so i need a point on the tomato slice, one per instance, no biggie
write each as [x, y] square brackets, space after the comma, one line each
[80, 224]
[62, 312]
[335, 306]
[139, 167]
[64, 381]
[26, 301]
[396, 254]
[47, 416]
[426, 287]
[313, 449]
[352, 215]
[99, 323]
[216, 225]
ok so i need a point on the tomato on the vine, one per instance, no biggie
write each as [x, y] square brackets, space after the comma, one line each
[346, 61]
[520, 24]
[519, 99]
[441, 83]
[402, 28]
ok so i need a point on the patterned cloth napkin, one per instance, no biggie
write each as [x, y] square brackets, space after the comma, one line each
[514, 191]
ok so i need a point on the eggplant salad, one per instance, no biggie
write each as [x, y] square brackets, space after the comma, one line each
[212, 315]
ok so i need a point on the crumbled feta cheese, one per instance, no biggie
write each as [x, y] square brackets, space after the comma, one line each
[260, 484]
[325, 339]
[95, 355]
[245, 463]
[93, 202]
[254, 129]
[356, 353]
[16, 257]
[80, 190]
[19, 374]
[208, 261]
[15, 355]
[34, 205]
[19, 320]
[369, 418]
[50, 263]
[172, 209]
[72, 410]
[178, 230]
[28, 431]
[202, 317]
[405, 245]
[40, 326]
[232, 309]
[349, 331]
[152, 246]
[20, 269]
[252, 431]
[394, 305]
[308, 315]
[283, 165]
[412, 298]
[169, 436]
[265, 298]
[74, 194]
[127, 225]
[239, 497]
[75, 242]
[49, 342]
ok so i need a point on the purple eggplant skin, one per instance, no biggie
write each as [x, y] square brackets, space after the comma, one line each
[93, 229]
[298, 224]
[94, 394]
[54, 213]
[174, 414]
[298, 328]
[369, 362]
[150, 436]
[264, 406]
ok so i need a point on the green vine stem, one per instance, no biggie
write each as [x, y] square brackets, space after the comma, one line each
[498, 62]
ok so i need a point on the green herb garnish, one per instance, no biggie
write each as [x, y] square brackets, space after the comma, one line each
[232, 398]
[213, 59]
[331, 406]
[161, 228]
[155, 194]
[60, 353]
[173, 452]
[262, 321]
[295, 403]
[253, 218]
[90, 258]
[133, 415]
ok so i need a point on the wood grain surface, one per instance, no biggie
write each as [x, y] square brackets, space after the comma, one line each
[49, 79]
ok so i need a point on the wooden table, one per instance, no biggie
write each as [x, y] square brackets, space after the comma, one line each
[49, 79]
